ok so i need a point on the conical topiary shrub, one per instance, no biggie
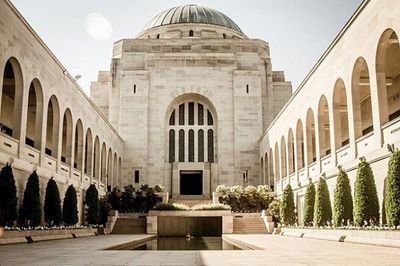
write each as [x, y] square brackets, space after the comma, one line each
[309, 201]
[343, 201]
[322, 208]
[8, 197]
[392, 195]
[92, 203]
[30, 213]
[52, 204]
[70, 208]
[288, 216]
[366, 204]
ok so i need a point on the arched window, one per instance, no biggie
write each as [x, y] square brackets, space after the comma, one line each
[52, 128]
[191, 145]
[271, 170]
[210, 146]
[324, 127]
[291, 152]
[181, 145]
[34, 115]
[11, 100]
[201, 145]
[224, 35]
[388, 78]
[103, 163]
[172, 146]
[277, 165]
[361, 96]
[283, 158]
[340, 115]
[96, 159]
[109, 170]
[195, 141]
[191, 33]
[67, 138]
[158, 36]
[172, 119]
[300, 145]
[115, 171]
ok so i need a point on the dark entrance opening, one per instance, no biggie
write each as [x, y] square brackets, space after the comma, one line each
[191, 183]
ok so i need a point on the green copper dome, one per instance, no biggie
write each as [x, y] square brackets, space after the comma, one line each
[192, 14]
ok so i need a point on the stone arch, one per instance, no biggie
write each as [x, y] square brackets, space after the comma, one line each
[291, 156]
[78, 145]
[283, 158]
[88, 168]
[266, 169]
[387, 69]
[110, 180]
[262, 174]
[34, 118]
[96, 158]
[52, 127]
[271, 168]
[340, 115]
[300, 145]
[66, 147]
[324, 127]
[116, 182]
[361, 98]
[310, 135]
[103, 163]
[277, 165]
[11, 99]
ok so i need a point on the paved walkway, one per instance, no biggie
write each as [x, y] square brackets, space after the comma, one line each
[278, 251]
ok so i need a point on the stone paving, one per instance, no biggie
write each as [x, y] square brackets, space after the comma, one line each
[278, 251]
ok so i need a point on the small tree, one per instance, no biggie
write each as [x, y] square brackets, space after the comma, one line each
[8, 197]
[92, 203]
[105, 208]
[309, 201]
[275, 209]
[288, 216]
[30, 213]
[392, 195]
[52, 204]
[366, 204]
[322, 208]
[343, 201]
[70, 209]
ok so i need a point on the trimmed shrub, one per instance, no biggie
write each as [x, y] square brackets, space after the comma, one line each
[70, 208]
[8, 197]
[392, 195]
[114, 198]
[211, 207]
[275, 209]
[366, 204]
[288, 216]
[92, 203]
[52, 204]
[309, 201]
[322, 208]
[171, 207]
[343, 201]
[31, 212]
[105, 208]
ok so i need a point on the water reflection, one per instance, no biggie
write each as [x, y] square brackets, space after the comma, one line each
[180, 243]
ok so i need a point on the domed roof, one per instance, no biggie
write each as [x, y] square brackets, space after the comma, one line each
[192, 14]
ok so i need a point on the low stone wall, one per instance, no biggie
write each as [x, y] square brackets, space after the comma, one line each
[371, 237]
[29, 236]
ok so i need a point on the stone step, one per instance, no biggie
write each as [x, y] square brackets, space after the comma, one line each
[130, 226]
[249, 225]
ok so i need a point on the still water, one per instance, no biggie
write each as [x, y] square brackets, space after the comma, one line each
[182, 243]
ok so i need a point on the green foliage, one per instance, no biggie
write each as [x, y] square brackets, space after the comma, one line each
[70, 208]
[392, 195]
[171, 207]
[343, 201]
[114, 198]
[31, 211]
[249, 199]
[275, 210]
[322, 208]
[137, 200]
[288, 215]
[309, 201]
[211, 207]
[105, 208]
[366, 204]
[92, 203]
[8, 197]
[52, 204]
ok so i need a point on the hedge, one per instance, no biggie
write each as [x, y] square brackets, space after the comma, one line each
[392, 194]
[309, 201]
[322, 208]
[343, 201]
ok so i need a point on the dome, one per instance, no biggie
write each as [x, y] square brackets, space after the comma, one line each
[192, 14]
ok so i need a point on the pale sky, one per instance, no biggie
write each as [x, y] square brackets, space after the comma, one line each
[81, 33]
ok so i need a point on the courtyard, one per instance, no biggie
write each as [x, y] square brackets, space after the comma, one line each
[275, 250]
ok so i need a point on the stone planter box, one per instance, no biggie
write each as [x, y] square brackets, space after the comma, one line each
[389, 238]
[29, 236]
